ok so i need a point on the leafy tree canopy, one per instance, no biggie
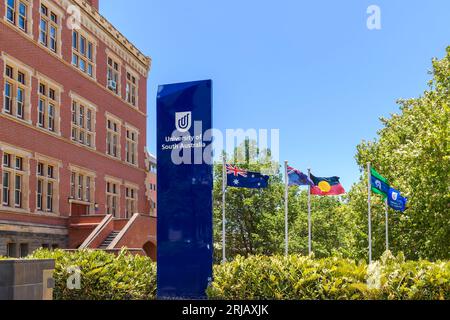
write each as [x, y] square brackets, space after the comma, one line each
[412, 151]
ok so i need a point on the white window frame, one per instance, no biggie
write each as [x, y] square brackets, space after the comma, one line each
[80, 109]
[112, 134]
[112, 203]
[131, 199]
[131, 144]
[17, 15]
[129, 86]
[45, 178]
[113, 74]
[47, 101]
[86, 199]
[78, 54]
[51, 9]
[13, 171]
[27, 72]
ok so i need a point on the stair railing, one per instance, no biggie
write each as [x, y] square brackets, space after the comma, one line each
[96, 231]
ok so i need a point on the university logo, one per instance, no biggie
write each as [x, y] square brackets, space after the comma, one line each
[183, 121]
[394, 196]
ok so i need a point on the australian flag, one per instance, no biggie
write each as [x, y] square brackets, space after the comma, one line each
[298, 178]
[240, 178]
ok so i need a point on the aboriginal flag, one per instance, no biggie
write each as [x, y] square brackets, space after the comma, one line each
[326, 186]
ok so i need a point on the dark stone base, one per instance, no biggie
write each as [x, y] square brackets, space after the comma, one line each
[33, 240]
[25, 279]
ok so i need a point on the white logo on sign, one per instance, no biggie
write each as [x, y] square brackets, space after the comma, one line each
[183, 121]
[394, 196]
[378, 184]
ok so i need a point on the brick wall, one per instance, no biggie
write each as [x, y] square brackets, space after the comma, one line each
[27, 50]
[94, 3]
[143, 225]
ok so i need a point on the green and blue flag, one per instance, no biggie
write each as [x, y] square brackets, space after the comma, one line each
[380, 185]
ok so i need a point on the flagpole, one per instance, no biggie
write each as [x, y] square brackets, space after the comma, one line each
[309, 216]
[387, 225]
[286, 195]
[224, 189]
[369, 191]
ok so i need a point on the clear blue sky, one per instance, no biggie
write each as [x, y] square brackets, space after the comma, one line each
[309, 68]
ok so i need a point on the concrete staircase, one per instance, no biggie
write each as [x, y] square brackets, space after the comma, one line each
[110, 238]
[137, 234]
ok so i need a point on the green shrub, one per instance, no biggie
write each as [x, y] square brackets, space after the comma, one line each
[103, 276]
[126, 277]
[415, 280]
[304, 278]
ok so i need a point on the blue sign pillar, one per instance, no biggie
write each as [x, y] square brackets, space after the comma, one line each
[185, 182]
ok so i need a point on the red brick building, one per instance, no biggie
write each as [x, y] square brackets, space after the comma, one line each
[151, 183]
[72, 131]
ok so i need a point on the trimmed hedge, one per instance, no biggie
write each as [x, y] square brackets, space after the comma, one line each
[304, 278]
[126, 277]
[104, 276]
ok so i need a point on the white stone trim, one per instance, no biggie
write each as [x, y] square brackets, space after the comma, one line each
[42, 77]
[84, 101]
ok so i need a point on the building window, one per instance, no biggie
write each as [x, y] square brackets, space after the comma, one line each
[49, 196]
[11, 250]
[5, 189]
[13, 187]
[131, 90]
[83, 53]
[17, 12]
[113, 75]
[112, 198]
[6, 160]
[48, 108]
[18, 191]
[80, 193]
[40, 195]
[47, 187]
[113, 138]
[16, 92]
[11, 11]
[81, 187]
[49, 29]
[23, 250]
[83, 124]
[88, 189]
[131, 201]
[131, 146]
[73, 178]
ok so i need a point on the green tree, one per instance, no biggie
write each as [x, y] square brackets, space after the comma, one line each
[255, 218]
[334, 227]
[412, 151]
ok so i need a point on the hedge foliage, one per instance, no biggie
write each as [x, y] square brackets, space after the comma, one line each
[103, 276]
[306, 278]
[126, 277]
